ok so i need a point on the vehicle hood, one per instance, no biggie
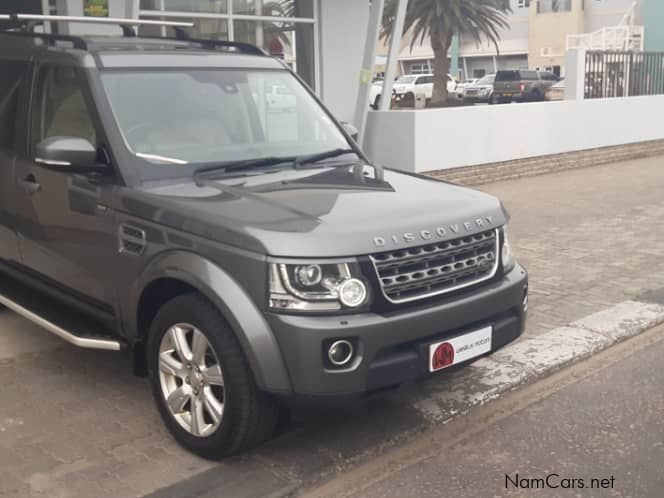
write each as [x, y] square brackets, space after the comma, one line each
[317, 213]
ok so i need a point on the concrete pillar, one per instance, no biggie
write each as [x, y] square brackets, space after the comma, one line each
[343, 29]
[575, 74]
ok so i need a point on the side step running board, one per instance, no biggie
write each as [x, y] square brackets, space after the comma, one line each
[81, 342]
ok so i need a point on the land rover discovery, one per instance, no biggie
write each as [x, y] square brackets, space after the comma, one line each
[153, 201]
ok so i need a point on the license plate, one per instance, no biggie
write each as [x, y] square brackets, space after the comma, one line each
[507, 94]
[444, 354]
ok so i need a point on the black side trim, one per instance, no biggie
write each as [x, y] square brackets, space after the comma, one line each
[97, 311]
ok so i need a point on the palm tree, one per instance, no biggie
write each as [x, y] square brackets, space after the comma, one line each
[440, 20]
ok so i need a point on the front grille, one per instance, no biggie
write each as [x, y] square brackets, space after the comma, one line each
[420, 272]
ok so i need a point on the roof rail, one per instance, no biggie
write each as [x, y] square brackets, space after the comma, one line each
[127, 25]
[27, 23]
[77, 42]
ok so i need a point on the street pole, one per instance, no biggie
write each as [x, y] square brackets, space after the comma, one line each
[368, 62]
[393, 56]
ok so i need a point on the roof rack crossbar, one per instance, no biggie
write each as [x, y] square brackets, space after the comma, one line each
[95, 20]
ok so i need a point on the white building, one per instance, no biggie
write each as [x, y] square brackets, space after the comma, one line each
[536, 37]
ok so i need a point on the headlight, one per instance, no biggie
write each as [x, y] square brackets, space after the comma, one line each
[317, 286]
[506, 255]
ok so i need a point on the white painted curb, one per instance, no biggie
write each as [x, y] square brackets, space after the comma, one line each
[531, 358]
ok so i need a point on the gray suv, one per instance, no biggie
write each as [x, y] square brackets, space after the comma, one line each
[522, 86]
[152, 201]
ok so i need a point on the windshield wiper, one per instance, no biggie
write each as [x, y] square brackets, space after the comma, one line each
[259, 163]
[358, 165]
[314, 158]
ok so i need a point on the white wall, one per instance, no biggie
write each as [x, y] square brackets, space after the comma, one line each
[432, 139]
[343, 28]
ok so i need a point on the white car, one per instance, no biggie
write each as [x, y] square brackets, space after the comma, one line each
[418, 86]
[374, 94]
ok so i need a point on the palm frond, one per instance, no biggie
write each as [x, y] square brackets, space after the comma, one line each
[479, 19]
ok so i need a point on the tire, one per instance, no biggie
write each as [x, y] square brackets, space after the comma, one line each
[494, 99]
[219, 377]
[408, 100]
[376, 102]
[536, 96]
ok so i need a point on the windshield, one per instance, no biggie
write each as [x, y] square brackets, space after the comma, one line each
[177, 117]
[406, 79]
[487, 80]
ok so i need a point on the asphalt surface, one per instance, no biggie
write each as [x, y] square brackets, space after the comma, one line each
[76, 423]
[595, 429]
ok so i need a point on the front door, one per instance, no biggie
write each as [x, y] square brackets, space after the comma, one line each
[65, 230]
[13, 74]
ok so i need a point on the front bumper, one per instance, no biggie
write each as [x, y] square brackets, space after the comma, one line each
[477, 98]
[515, 96]
[391, 345]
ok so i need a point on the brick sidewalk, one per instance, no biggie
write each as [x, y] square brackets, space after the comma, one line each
[76, 424]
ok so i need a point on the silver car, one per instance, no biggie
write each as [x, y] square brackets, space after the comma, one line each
[480, 91]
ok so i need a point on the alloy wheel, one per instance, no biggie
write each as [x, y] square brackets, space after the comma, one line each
[191, 380]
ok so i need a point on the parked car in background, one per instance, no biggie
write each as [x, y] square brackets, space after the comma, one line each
[374, 93]
[466, 83]
[480, 91]
[522, 85]
[412, 86]
[557, 91]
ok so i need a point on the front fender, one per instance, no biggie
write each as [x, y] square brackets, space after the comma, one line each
[254, 334]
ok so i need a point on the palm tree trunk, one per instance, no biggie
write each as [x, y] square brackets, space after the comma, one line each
[440, 43]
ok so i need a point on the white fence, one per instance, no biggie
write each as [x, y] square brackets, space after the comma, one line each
[433, 139]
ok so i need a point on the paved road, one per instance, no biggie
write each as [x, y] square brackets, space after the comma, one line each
[75, 423]
[594, 430]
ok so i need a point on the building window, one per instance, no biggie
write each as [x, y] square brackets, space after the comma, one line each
[284, 28]
[421, 67]
[546, 6]
[522, 4]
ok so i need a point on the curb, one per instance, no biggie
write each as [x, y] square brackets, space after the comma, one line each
[530, 359]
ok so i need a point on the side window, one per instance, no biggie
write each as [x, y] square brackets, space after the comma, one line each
[423, 80]
[11, 77]
[59, 107]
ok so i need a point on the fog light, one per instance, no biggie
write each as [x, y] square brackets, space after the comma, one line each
[340, 353]
[352, 293]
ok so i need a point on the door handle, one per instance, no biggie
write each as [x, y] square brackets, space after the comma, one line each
[30, 184]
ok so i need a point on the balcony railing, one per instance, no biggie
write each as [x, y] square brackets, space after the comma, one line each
[549, 6]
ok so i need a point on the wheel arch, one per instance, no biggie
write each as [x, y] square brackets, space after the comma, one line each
[178, 272]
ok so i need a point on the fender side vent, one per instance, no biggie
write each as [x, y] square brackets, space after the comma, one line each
[131, 240]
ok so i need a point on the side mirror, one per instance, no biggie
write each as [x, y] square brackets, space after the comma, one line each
[67, 153]
[351, 130]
